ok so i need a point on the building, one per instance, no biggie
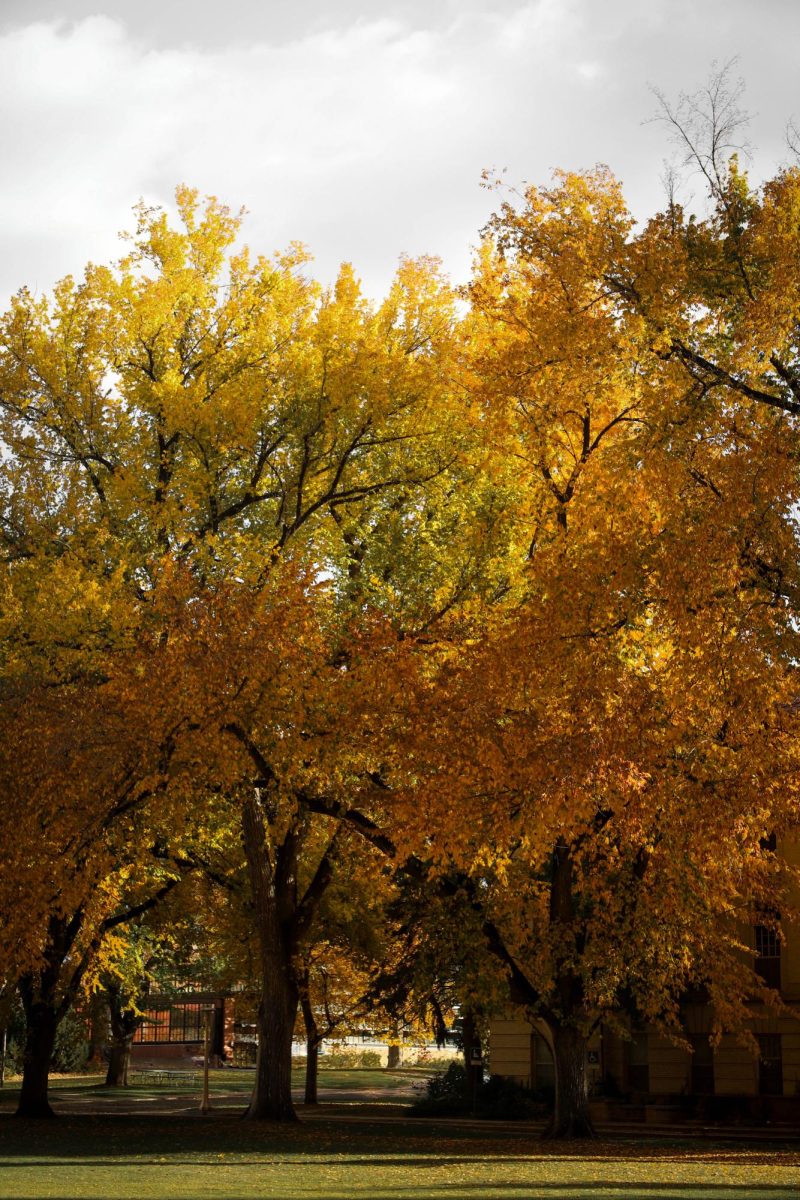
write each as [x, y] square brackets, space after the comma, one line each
[174, 1026]
[646, 1071]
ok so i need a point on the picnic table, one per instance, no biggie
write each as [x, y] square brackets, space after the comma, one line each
[160, 1076]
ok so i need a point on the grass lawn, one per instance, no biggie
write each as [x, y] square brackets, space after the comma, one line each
[105, 1147]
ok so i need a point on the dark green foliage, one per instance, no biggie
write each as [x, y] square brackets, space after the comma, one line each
[72, 1044]
[448, 1085]
[445, 1093]
[502, 1099]
[497, 1099]
[15, 1037]
[346, 1058]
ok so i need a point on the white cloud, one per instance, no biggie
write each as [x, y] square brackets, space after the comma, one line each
[590, 71]
[542, 24]
[363, 141]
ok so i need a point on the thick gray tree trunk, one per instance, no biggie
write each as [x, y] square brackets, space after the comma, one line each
[313, 1043]
[274, 891]
[571, 1113]
[124, 1023]
[41, 1024]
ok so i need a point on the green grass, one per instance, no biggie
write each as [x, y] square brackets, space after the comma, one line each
[106, 1147]
[223, 1158]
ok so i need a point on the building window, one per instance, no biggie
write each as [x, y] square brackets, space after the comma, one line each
[154, 1027]
[701, 1082]
[770, 1065]
[181, 1023]
[768, 955]
[185, 1023]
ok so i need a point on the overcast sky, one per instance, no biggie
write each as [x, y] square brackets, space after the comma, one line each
[358, 128]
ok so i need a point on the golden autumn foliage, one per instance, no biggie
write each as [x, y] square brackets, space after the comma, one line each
[605, 764]
[213, 466]
[292, 584]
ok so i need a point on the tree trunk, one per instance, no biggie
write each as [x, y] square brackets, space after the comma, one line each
[312, 1071]
[273, 880]
[313, 1042]
[282, 921]
[124, 1023]
[118, 1063]
[571, 1113]
[393, 1058]
[277, 1012]
[43, 1012]
[41, 1021]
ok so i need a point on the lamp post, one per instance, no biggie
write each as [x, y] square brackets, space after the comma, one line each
[205, 1103]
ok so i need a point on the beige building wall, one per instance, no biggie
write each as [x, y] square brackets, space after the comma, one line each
[614, 1057]
[735, 1066]
[735, 1070]
[669, 1065]
[790, 952]
[791, 1062]
[510, 1050]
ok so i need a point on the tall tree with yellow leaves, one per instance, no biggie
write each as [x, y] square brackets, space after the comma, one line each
[211, 457]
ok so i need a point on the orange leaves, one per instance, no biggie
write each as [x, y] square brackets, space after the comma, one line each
[626, 700]
[514, 581]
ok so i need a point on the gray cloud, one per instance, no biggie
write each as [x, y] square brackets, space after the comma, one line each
[358, 129]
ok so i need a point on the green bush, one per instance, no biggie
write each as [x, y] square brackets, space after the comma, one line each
[445, 1093]
[501, 1099]
[448, 1085]
[71, 1050]
[14, 1019]
[497, 1099]
[347, 1059]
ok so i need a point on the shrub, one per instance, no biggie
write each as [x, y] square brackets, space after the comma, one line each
[445, 1093]
[345, 1059]
[501, 1099]
[450, 1084]
[498, 1099]
[71, 1050]
[14, 1020]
